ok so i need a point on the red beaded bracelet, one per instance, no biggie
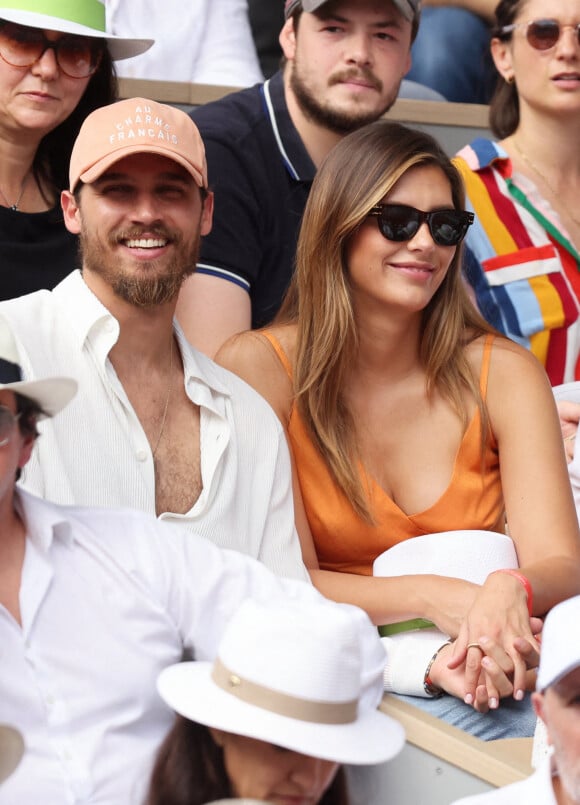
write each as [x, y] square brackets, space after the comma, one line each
[525, 582]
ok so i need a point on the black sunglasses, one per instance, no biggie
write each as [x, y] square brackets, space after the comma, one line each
[542, 34]
[399, 222]
[76, 56]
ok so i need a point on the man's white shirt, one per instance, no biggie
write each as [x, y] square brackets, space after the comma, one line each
[96, 453]
[109, 598]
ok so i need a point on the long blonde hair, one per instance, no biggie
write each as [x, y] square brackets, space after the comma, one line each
[357, 174]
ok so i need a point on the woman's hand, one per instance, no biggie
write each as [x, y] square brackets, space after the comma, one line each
[499, 615]
[452, 681]
[495, 680]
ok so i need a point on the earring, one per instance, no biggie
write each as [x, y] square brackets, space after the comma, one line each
[510, 79]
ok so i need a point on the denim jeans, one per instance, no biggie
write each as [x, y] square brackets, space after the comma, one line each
[451, 55]
[512, 719]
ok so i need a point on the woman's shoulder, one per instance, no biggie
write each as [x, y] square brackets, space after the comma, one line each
[263, 359]
[258, 346]
[505, 356]
[513, 371]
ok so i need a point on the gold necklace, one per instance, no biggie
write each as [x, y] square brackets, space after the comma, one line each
[539, 173]
[164, 417]
[14, 206]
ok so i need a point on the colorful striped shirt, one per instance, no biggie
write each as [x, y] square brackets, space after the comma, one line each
[520, 262]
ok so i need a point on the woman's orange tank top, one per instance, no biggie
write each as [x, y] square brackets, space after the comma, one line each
[345, 542]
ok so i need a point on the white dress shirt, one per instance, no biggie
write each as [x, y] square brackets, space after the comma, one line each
[96, 453]
[109, 598]
[534, 790]
[206, 41]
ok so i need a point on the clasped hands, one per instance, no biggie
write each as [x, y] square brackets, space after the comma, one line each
[483, 673]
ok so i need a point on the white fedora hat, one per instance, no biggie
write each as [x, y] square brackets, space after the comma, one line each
[51, 394]
[11, 750]
[81, 17]
[292, 674]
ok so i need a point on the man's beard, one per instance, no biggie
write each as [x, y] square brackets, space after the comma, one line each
[336, 120]
[153, 285]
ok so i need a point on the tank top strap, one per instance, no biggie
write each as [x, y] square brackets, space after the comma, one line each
[277, 347]
[485, 361]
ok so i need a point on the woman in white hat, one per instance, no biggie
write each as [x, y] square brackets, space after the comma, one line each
[55, 68]
[288, 699]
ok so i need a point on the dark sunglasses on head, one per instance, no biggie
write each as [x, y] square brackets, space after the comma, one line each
[399, 222]
[76, 56]
[542, 34]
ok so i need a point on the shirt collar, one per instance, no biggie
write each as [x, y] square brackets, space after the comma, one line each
[86, 314]
[91, 321]
[43, 521]
[204, 379]
[294, 155]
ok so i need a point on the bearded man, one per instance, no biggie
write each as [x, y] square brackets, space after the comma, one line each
[155, 425]
[343, 65]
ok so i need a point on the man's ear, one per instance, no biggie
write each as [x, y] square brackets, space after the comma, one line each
[71, 212]
[539, 704]
[207, 214]
[287, 39]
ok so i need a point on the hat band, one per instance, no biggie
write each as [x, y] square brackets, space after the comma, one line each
[9, 372]
[90, 13]
[282, 703]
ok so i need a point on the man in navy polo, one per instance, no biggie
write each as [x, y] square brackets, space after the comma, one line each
[343, 64]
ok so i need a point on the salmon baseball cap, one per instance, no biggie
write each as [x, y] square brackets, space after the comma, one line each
[136, 126]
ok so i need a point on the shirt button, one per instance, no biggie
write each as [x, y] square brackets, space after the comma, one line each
[50, 700]
[142, 455]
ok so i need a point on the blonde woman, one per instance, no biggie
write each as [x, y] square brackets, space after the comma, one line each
[407, 414]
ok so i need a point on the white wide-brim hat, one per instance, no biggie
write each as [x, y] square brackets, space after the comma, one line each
[51, 393]
[82, 17]
[468, 554]
[292, 674]
[11, 750]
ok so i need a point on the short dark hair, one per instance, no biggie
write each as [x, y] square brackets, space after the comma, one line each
[504, 107]
[29, 411]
